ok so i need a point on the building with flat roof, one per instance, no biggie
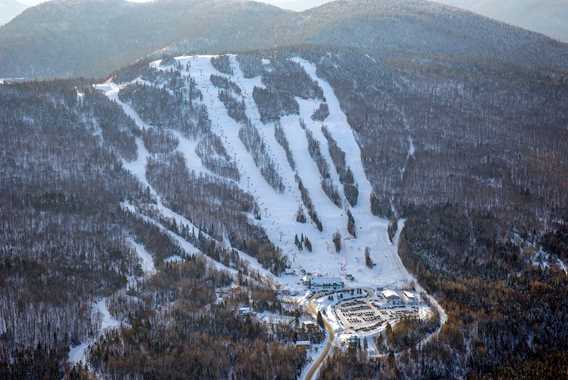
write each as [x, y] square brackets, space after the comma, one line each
[390, 294]
[326, 283]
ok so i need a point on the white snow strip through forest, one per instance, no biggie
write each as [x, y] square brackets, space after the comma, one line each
[138, 169]
[77, 354]
[279, 209]
[146, 259]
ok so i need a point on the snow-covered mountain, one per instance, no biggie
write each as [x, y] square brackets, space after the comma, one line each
[144, 210]
[302, 165]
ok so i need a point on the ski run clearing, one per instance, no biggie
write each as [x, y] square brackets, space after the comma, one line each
[278, 208]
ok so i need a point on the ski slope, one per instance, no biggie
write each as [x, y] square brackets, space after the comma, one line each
[278, 209]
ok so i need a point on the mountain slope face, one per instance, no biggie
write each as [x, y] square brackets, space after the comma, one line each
[547, 18]
[100, 36]
[290, 147]
[90, 245]
[245, 164]
[221, 160]
[10, 9]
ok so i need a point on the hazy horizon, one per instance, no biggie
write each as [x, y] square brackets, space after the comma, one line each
[546, 17]
[288, 4]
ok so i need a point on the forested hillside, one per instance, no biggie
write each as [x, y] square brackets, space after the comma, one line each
[92, 177]
[90, 38]
[71, 249]
[546, 18]
[155, 223]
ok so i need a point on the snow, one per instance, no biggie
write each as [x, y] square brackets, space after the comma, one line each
[409, 295]
[146, 258]
[187, 247]
[77, 354]
[544, 260]
[312, 354]
[387, 293]
[372, 231]
[174, 259]
[111, 90]
[278, 210]
[138, 169]
[371, 58]
[108, 322]
[273, 318]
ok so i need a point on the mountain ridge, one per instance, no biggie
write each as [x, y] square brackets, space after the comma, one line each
[10, 9]
[548, 19]
[108, 36]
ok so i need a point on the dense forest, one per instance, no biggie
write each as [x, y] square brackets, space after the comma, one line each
[507, 316]
[468, 161]
[67, 245]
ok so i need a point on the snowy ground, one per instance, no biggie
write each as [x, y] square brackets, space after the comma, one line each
[279, 209]
[313, 353]
[77, 354]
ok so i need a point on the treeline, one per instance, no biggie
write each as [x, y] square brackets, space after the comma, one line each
[255, 145]
[214, 157]
[173, 106]
[285, 81]
[327, 184]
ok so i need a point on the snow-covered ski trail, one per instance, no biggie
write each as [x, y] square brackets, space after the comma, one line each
[278, 210]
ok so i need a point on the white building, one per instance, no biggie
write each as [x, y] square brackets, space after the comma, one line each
[409, 298]
[393, 298]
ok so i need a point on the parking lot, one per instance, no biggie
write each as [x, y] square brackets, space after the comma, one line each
[365, 315]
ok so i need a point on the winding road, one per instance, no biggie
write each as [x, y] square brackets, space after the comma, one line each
[316, 365]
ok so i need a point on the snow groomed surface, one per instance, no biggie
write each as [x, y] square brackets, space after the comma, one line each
[278, 209]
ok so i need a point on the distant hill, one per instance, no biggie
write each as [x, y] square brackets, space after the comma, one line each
[297, 5]
[10, 9]
[67, 38]
[549, 17]
[395, 28]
